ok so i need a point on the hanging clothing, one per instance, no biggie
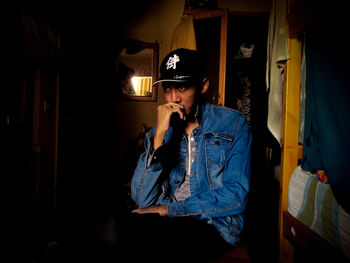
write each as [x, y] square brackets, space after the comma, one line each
[277, 55]
[326, 139]
[183, 35]
[302, 95]
[243, 103]
[39, 40]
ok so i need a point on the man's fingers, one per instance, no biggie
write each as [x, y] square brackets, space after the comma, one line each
[180, 112]
[182, 115]
[177, 108]
[144, 210]
[161, 210]
[174, 106]
[165, 112]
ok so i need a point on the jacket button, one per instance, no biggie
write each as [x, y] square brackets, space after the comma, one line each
[217, 143]
[177, 181]
[182, 160]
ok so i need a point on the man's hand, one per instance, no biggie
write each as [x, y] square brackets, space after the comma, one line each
[162, 210]
[163, 121]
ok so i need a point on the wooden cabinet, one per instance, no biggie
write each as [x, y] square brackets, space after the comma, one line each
[234, 48]
[219, 36]
[246, 66]
[41, 89]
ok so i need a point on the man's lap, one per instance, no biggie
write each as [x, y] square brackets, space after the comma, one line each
[152, 237]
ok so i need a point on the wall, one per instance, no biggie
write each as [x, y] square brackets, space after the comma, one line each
[155, 24]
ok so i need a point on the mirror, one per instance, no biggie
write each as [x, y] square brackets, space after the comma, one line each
[137, 65]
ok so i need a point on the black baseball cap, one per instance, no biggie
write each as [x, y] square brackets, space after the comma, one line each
[182, 66]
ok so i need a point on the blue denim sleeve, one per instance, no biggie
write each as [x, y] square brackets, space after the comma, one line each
[145, 184]
[231, 198]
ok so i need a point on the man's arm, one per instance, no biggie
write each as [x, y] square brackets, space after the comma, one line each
[145, 185]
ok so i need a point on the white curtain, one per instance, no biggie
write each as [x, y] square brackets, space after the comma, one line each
[277, 55]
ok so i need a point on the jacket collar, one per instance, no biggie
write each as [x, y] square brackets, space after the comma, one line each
[201, 113]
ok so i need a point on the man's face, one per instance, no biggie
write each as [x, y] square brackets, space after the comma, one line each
[182, 95]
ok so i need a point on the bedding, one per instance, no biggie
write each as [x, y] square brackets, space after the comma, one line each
[312, 203]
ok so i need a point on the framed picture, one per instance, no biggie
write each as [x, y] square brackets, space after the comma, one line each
[137, 65]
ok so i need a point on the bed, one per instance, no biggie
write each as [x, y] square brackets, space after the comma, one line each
[311, 203]
[312, 225]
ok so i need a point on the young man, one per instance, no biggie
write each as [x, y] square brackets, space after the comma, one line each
[195, 171]
[190, 184]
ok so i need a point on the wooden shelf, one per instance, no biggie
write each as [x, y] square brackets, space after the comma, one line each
[198, 14]
[241, 58]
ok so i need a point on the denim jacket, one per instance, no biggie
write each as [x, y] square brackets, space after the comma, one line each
[220, 172]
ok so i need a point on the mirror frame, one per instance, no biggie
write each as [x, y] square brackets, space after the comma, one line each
[155, 47]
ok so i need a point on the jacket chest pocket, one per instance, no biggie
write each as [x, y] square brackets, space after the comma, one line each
[216, 147]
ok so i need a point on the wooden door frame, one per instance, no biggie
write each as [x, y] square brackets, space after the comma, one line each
[223, 13]
[290, 138]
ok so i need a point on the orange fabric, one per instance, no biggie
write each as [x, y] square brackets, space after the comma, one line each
[183, 35]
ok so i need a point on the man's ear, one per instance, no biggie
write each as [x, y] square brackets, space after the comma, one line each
[205, 85]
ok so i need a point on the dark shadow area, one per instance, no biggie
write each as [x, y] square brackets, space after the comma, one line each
[50, 45]
[246, 92]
